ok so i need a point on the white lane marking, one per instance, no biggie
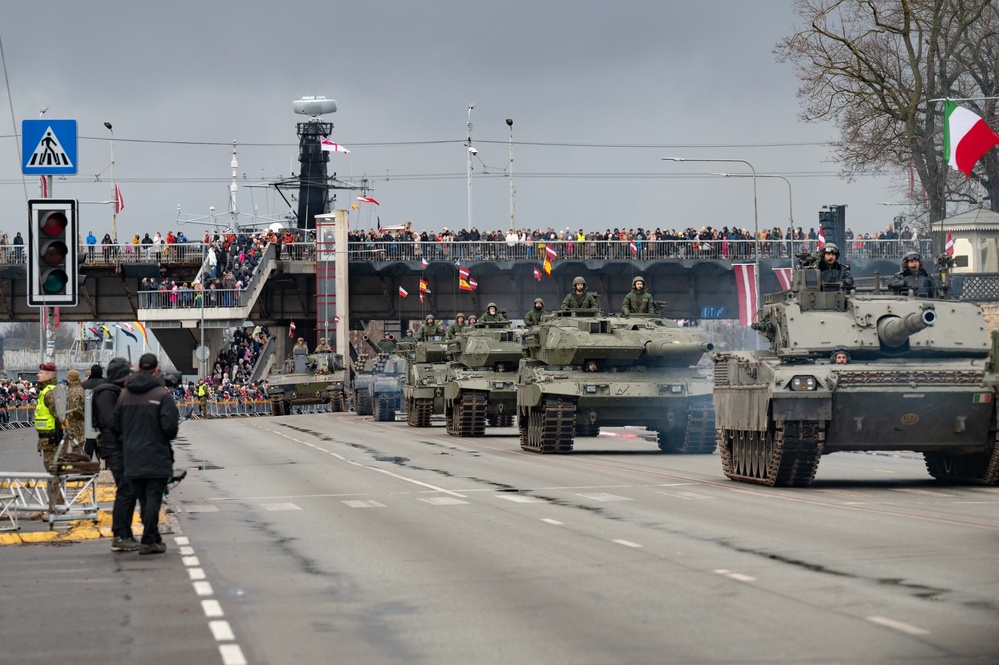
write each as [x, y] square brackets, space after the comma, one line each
[900, 626]
[190, 561]
[603, 496]
[186, 551]
[627, 543]
[212, 608]
[548, 520]
[361, 503]
[444, 501]
[232, 654]
[196, 573]
[182, 540]
[221, 631]
[203, 588]
[739, 577]
[519, 498]
[923, 492]
[195, 508]
[279, 506]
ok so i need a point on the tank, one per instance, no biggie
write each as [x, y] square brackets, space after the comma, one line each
[583, 370]
[378, 383]
[920, 377]
[315, 378]
[425, 374]
[480, 384]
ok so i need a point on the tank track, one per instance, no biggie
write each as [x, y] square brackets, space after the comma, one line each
[468, 414]
[976, 469]
[786, 455]
[278, 405]
[384, 408]
[338, 403]
[363, 404]
[699, 435]
[419, 412]
[548, 428]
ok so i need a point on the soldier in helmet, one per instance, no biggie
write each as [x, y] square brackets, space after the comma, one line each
[578, 298]
[913, 277]
[533, 317]
[840, 356]
[430, 329]
[638, 301]
[455, 328]
[835, 276]
[323, 347]
[472, 321]
[492, 314]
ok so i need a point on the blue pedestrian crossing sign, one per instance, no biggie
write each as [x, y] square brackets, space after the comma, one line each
[48, 147]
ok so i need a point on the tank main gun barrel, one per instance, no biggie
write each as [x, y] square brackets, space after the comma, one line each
[371, 344]
[896, 330]
[666, 348]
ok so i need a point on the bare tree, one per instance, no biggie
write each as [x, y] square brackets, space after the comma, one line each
[872, 66]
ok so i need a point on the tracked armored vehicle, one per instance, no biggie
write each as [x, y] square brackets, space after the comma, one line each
[921, 376]
[316, 378]
[378, 384]
[583, 370]
[480, 384]
[423, 390]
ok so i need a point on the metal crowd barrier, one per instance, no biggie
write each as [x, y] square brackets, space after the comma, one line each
[76, 495]
[112, 255]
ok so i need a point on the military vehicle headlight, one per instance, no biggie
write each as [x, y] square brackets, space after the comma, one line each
[804, 383]
[590, 389]
[498, 384]
[676, 389]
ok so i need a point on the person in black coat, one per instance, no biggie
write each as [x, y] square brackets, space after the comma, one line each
[109, 448]
[147, 418]
[913, 277]
[835, 276]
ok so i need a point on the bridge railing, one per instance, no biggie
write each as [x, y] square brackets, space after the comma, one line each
[113, 255]
[645, 250]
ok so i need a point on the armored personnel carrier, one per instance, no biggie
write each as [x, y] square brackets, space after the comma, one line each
[920, 375]
[378, 384]
[584, 370]
[425, 373]
[480, 384]
[314, 378]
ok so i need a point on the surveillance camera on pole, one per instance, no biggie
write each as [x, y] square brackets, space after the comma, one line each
[473, 151]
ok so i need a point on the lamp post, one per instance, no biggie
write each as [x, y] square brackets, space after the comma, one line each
[756, 212]
[114, 190]
[471, 151]
[790, 204]
[509, 122]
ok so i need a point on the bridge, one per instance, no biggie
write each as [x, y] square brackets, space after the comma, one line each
[694, 278]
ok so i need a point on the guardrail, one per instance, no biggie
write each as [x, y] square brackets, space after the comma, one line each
[112, 255]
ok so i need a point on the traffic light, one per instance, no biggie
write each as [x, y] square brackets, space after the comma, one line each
[53, 246]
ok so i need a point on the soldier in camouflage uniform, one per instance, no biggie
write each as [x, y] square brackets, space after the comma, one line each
[455, 328]
[533, 317]
[492, 314]
[75, 414]
[638, 301]
[578, 298]
[430, 329]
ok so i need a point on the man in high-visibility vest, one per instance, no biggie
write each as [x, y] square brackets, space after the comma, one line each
[203, 397]
[46, 421]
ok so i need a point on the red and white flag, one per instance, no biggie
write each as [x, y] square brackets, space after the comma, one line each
[745, 284]
[463, 272]
[329, 146]
[367, 199]
[425, 263]
[634, 248]
[291, 329]
[119, 200]
[472, 283]
[784, 277]
[421, 296]
[949, 245]
[403, 292]
[822, 238]
[537, 274]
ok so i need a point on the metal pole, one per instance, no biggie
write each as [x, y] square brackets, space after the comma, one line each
[509, 122]
[790, 203]
[470, 149]
[114, 191]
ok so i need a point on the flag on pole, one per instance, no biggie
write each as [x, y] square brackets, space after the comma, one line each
[949, 245]
[421, 296]
[745, 283]
[463, 272]
[537, 274]
[354, 206]
[330, 146]
[464, 280]
[472, 283]
[367, 199]
[291, 330]
[822, 238]
[550, 257]
[403, 292]
[424, 286]
[784, 277]
[464, 285]
[119, 201]
[425, 263]
[966, 138]
[142, 329]
[128, 330]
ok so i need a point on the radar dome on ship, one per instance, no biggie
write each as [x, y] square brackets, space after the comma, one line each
[314, 106]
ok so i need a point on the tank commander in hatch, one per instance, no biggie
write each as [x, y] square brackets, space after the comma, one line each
[492, 314]
[455, 328]
[840, 356]
[913, 276]
[323, 347]
[533, 317]
[638, 300]
[578, 298]
[430, 329]
[300, 346]
[835, 276]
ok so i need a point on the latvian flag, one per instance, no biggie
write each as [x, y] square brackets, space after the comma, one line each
[822, 238]
[463, 279]
[425, 263]
[784, 277]
[367, 199]
[634, 248]
[403, 292]
[949, 246]
[745, 284]
[537, 274]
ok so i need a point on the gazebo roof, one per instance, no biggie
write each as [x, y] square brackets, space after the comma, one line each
[980, 219]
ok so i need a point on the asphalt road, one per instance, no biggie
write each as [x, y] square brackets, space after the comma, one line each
[336, 539]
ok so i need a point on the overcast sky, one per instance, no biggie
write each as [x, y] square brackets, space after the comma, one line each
[599, 93]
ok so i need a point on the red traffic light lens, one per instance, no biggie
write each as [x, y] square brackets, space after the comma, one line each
[54, 253]
[54, 224]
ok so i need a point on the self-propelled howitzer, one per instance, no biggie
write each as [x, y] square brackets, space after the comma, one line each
[583, 370]
[919, 375]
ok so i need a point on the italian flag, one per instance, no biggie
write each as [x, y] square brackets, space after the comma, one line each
[966, 138]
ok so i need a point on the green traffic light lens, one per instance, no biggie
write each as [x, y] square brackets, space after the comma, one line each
[54, 253]
[54, 224]
[54, 282]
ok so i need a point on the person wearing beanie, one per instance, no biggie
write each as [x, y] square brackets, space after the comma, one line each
[109, 448]
[47, 424]
[95, 379]
[147, 419]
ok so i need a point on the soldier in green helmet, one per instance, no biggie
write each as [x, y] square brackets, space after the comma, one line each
[638, 301]
[578, 298]
[455, 328]
[533, 317]
[492, 314]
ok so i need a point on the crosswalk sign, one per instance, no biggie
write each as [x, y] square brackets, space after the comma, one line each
[48, 147]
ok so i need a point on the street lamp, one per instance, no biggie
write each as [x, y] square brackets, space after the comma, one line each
[756, 212]
[471, 151]
[114, 190]
[509, 123]
[790, 205]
